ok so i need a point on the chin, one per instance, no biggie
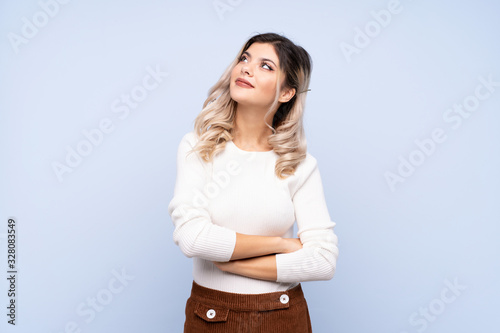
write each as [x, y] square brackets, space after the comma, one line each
[239, 97]
[241, 101]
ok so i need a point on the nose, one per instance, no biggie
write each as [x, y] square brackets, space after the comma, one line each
[245, 69]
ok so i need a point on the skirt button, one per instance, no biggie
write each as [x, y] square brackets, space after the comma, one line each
[284, 298]
[211, 313]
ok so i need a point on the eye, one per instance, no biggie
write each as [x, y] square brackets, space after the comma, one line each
[268, 67]
[243, 57]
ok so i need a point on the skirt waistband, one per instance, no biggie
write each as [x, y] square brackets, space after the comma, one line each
[248, 302]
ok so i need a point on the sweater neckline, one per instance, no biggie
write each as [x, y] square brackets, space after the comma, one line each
[231, 143]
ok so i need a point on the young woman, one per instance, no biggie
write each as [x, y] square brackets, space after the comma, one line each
[244, 176]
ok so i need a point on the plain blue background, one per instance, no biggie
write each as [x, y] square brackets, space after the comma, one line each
[401, 246]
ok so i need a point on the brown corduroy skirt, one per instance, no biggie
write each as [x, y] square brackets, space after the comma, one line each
[209, 310]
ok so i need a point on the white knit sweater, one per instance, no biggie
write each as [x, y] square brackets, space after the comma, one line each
[239, 192]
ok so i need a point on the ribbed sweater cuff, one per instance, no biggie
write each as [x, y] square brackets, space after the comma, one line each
[299, 266]
[225, 241]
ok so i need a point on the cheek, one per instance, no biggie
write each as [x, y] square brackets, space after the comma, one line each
[234, 73]
[268, 86]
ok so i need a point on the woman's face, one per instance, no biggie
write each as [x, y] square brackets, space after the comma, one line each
[258, 66]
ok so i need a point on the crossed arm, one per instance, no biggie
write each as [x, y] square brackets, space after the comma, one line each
[260, 257]
[255, 256]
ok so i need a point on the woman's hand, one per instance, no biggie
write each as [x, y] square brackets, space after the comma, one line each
[260, 267]
[263, 267]
[224, 266]
[291, 245]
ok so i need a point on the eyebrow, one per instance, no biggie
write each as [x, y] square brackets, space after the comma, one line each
[263, 59]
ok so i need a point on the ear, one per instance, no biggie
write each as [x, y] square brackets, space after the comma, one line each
[286, 95]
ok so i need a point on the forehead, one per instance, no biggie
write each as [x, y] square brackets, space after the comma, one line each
[263, 50]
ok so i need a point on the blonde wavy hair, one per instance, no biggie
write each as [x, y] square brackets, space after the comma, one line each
[214, 124]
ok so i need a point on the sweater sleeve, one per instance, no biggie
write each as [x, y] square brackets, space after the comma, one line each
[318, 258]
[195, 233]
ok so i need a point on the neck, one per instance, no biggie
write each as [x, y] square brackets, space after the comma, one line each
[250, 131]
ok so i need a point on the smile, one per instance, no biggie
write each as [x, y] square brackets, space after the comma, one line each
[243, 83]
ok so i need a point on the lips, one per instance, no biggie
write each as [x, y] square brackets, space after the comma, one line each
[243, 83]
